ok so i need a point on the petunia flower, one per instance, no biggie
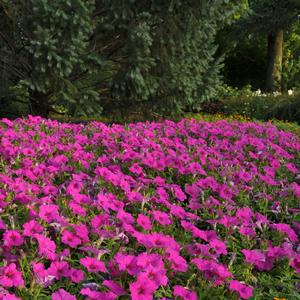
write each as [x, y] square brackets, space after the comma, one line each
[31, 228]
[161, 217]
[157, 276]
[70, 239]
[11, 277]
[142, 289]
[46, 247]
[49, 212]
[185, 294]
[285, 228]
[114, 287]
[61, 294]
[59, 269]
[127, 263]
[295, 263]
[93, 265]
[144, 222]
[76, 275]
[218, 246]
[244, 291]
[95, 295]
[12, 238]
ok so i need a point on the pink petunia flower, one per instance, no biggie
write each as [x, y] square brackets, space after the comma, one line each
[184, 293]
[144, 222]
[70, 239]
[49, 212]
[76, 275]
[157, 276]
[177, 262]
[142, 290]
[161, 217]
[93, 265]
[2, 225]
[31, 228]
[295, 263]
[218, 246]
[285, 228]
[61, 294]
[11, 277]
[5, 295]
[258, 259]
[12, 238]
[95, 295]
[46, 247]
[59, 269]
[243, 290]
[127, 263]
[82, 232]
[114, 287]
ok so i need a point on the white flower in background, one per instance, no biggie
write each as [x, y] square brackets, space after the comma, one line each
[290, 92]
[258, 92]
[276, 94]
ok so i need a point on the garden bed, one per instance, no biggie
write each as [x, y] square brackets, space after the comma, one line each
[153, 210]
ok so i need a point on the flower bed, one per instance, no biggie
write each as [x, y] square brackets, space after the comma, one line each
[188, 210]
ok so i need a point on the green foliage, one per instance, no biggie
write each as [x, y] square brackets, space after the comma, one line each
[51, 40]
[291, 61]
[85, 55]
[264, 107]
[245, 43]
[165, 60]
[270, 15]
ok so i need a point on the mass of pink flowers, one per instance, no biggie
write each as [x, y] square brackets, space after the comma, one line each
[147, 210]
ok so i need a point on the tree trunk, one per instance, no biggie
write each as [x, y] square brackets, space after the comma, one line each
[39, 104]
[274, 66]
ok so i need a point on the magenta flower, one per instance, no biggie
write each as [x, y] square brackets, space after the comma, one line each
[114, 287]
[179, 194]
[31, 228]
[295, 263]
[245, 214]
[125, 217]
[285, 228]
[145, 260]
[212, 270]
[11, 277]
[93, 265]
[49, 212]
[82, 232]
[258, 259]
[218, 246]
[142, 290]
[8, 296]
[161, 217]
[70, 239]
[296, 189]
[144, 222]
[156, 276]
[76, 275]
[95, 295]
[46, 247]
[59, 269]
[12, 238]
[61, 294]
[127, 263]
[2, 225]
[247, 231]
[185, 294]
[177, 262]
[243, 290]
[77, 209]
